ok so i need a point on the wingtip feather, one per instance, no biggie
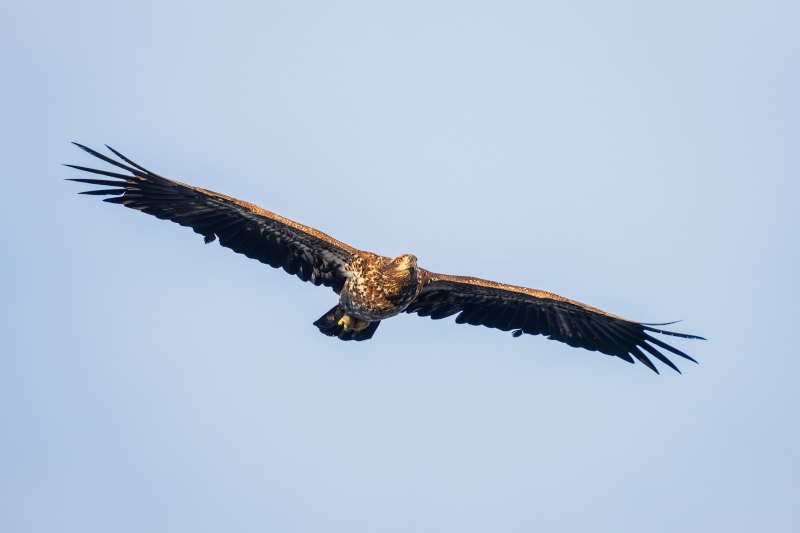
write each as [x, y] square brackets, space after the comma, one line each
[107, 159]
[140, 167]
[660, 323]
[637, 353]
[666, 346]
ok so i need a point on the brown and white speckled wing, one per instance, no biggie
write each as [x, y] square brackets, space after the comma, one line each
[241, 226]
[506, 307]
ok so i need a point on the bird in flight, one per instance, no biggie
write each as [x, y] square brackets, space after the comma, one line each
[371, 287]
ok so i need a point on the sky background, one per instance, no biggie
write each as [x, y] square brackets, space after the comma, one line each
[639, 157]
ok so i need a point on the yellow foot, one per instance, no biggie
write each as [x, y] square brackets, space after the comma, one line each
[352, 323]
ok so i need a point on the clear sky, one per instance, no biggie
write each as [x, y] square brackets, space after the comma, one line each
[641, 157]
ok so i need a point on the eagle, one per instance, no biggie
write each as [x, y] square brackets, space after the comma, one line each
[371, 287]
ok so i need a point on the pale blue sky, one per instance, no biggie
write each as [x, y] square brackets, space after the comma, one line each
[640, 158]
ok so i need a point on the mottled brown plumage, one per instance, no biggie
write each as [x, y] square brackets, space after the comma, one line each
[373, 287]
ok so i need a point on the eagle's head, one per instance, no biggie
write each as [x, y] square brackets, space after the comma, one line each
[399, 277]
[405, 262]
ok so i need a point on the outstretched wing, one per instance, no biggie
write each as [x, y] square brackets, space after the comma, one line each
[506, 307]
[241, 226]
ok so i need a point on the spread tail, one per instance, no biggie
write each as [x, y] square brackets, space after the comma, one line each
[329, 325]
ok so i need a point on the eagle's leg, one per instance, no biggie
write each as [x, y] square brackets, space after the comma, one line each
[335, 323]
[349, 322]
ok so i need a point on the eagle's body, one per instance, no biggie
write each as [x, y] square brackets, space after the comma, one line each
[372, 287]
[380, 287]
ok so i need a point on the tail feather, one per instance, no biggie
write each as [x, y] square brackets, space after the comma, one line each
[328, 324]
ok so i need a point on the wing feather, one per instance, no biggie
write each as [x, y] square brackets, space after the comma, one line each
[241, 226]
[534, 312]
[518, 320]
[637, 353]
[531, 326]
[658, 355]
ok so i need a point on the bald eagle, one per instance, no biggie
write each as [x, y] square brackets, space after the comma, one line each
[371, 287]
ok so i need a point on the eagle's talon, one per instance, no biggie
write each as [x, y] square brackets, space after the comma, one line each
[348, 323]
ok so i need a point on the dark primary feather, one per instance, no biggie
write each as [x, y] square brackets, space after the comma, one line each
[506, 307]
[243, 227]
